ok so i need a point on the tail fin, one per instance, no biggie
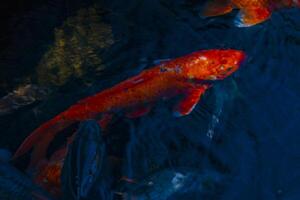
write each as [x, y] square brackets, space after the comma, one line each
[249, 17]
[41, 138]
[216, 7]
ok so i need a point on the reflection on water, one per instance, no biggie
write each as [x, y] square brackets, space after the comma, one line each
[251, 118]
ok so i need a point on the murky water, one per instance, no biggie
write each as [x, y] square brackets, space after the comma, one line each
[245, 129]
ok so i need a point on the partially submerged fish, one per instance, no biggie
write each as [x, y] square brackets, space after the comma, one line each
[172, 184]
[187, 77]
[84, 161]
[47, 173]
[14, 185]
[72, 170]
[251, 11]
[22, 96]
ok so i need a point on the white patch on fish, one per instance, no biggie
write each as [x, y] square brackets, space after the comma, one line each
[203, 58]
[138, 80]
[212, 77]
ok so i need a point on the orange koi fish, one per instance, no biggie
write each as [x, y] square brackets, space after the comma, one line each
[48, 173]
[186, 76]
[251, 11]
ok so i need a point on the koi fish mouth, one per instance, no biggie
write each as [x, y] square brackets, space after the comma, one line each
[237, 60]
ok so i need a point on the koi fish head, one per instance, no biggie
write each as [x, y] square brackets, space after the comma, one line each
[212, 65]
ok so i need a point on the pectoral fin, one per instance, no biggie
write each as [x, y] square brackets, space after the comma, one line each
[217, 7]
[187, 104]
[252, 16]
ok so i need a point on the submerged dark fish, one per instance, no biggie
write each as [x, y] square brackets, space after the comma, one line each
[48, 172]
[14, 185]
[22, 96]
[84, 161]
[172, 184]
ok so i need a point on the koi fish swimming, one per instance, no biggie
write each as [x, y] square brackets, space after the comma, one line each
[251, 12]
[73, 169]
[187, 77]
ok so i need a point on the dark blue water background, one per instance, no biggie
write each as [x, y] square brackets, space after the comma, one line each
[245, 129]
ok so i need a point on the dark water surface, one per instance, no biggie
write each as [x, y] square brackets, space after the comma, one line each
[245, 129]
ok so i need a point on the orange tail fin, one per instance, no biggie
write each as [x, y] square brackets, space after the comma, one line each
[41, 138]
[252, 16]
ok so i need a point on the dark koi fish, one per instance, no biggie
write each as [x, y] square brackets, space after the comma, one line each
[84, 161]
[14, 185]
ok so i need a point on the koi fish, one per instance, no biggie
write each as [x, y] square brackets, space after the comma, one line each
[48, 173]
[188, 77]
[251, 12]
[84, 161]
[72, 170]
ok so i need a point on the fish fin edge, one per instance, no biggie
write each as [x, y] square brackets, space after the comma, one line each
[251, 16]
[189, 102]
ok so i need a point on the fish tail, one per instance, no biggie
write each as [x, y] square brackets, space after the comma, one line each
[252, 16]
[41, 138]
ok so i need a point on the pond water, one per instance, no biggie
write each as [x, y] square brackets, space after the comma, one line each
[245, 129]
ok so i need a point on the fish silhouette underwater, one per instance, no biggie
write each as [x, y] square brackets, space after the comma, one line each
[47, 173]
[16, 185]
[72, 171]
[172, 183]
[187, 77]
[84, 162]
[251, 12]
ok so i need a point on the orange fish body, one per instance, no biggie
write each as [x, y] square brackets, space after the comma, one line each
[47, 173]
[186, 76]
[252, 12]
